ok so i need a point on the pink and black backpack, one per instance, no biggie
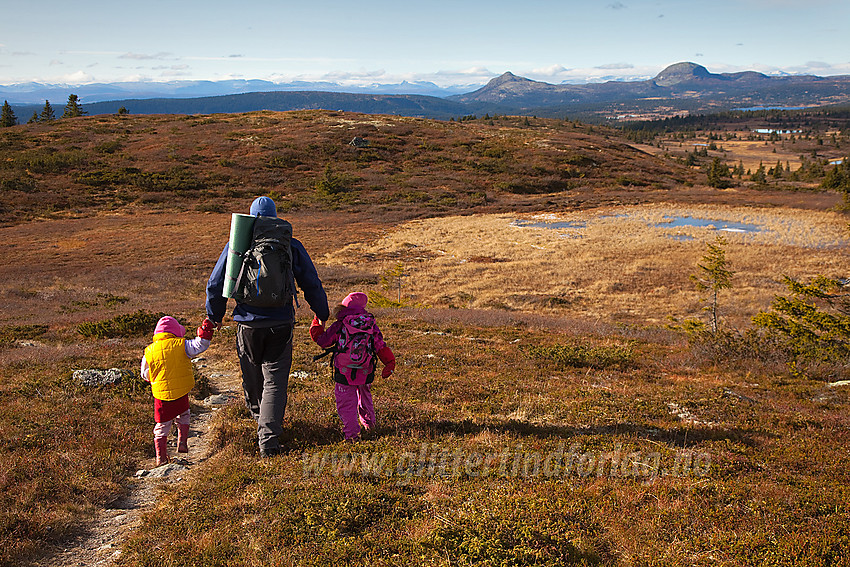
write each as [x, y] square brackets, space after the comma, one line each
[354, 351]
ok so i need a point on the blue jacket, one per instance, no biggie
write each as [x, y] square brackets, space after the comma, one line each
[305, 276]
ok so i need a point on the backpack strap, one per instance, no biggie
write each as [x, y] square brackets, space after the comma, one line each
[326, 352]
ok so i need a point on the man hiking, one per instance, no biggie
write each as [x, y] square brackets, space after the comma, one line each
[264, 330]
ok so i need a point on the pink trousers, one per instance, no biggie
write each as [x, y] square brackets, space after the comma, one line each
[164, 428]
[355, 409]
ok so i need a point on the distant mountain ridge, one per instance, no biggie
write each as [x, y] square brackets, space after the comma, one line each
[683, 87]
[401, 105]
[37, 93]
[679, 81]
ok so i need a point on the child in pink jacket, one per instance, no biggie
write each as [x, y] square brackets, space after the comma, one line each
[355, 339]
[167, 365]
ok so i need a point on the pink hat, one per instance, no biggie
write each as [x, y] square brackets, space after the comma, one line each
[169, 324]
[356, 299]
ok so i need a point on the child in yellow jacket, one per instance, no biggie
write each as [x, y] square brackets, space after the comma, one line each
[167, 365]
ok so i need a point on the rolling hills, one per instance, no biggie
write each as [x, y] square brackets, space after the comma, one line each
[404, 166]
[681, 88]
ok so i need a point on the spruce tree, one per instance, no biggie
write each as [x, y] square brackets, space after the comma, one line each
[759, 177]
[47, 113]
[718, 174]
[7, 116]
[34, 118]
[73, 107]
[813, 322]
[714, 275]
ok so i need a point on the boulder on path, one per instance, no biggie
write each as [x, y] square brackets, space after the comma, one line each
[162, 471]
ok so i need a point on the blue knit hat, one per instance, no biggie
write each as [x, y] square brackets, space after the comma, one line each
[263, 207]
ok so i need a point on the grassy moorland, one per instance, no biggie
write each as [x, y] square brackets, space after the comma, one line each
[408, 166]
[547, 408]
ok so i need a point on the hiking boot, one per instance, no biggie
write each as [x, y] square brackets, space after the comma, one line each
[161, 446]
[183, 438]
[270, 452]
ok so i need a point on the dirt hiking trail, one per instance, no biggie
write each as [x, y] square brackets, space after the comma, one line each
[100, 541]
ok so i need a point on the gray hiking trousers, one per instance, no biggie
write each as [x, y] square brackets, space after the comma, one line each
[265, 355]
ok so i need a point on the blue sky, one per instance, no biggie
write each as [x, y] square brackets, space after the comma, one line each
[446, 42]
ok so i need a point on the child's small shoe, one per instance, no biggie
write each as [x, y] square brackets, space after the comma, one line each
[183, 438]
[161, 447]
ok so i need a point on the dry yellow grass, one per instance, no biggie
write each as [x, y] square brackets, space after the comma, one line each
[750, 152]
[619, 263]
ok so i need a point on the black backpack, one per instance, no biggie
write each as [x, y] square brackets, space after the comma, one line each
[266, 278]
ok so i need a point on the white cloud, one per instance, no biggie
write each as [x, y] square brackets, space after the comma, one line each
[144, 57]
[55, 62]
[168, 68]
[353, 76]
[468, 72]
[817, 65]
[616, 6]
[78, 78]
[136, 79]
[472, 76]
[615, 66]
[550, 71]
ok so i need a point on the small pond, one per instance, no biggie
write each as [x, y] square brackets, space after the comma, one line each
[667, 222]
[557, 225]
[714, 224]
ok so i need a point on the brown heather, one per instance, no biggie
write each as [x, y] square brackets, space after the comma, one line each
[514, 344]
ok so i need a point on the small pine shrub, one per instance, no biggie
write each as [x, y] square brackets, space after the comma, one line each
[109, 147]
[814, 325]
[377, 299]
[584, 355]
[131, 324]
[11, 333]
[331, 183]
[22, 183]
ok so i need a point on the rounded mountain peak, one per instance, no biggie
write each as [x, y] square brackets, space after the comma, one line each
[506, 77]
[681, 73]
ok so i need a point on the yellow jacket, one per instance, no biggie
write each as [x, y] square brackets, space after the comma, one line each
[171, 371]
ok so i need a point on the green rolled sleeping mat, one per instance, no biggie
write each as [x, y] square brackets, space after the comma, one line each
[241, 233]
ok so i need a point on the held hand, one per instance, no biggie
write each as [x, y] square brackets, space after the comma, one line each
[205, 331]
[388, 369]
[316, 328]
